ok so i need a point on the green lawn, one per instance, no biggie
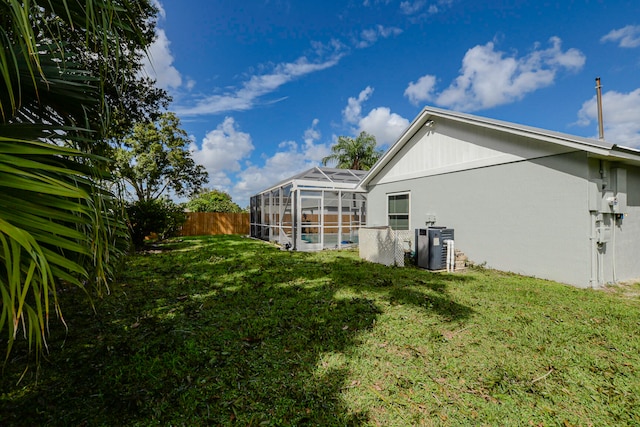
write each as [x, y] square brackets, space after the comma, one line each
[231, 331]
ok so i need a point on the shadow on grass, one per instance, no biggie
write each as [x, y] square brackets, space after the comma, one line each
[233, 332]
[409, 285]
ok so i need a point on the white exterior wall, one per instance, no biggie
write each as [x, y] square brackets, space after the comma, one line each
[622, 254]
[517, 205]
[522, 217]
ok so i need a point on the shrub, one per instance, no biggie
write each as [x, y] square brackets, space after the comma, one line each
[161, 216]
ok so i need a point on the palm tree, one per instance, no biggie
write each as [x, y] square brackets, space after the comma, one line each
[59, 223]
[359, 153]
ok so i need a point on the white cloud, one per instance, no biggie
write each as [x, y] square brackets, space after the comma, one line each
[276, 168]
[416, 7]
[161, 13]
[489, 77]
[289, 160]
[628, 36]
[222, 149]
[159, 63]
[370, 36]
[190, 83]
[380, 122]
[411, 7]
[312, 134]
[259, 85]
[225, 151]
[384, 125]
[368, 2]
[620, 117]
[314, 152]
[219, 180]
[353, 111]
[422, 90]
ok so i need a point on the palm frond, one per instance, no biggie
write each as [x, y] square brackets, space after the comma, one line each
[59, 223]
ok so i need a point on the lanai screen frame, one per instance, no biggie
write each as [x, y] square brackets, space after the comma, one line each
[321, 208]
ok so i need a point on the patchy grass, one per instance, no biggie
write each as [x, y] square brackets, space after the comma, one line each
[226, 330]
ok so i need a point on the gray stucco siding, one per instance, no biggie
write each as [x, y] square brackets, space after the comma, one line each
[530, 216]
[627, 232]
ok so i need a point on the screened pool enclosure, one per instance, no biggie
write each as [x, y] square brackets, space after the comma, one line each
[320, 208]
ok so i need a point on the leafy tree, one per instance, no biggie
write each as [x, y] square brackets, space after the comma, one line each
[128, 97]
[349, 153]
[137, 101]
[213, 201]
[155, 158]
[64, 64]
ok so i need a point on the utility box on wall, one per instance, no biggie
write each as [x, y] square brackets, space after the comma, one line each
[431, 250]
[619, 180]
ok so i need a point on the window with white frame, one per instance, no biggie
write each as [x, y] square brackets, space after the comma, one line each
[398, 211]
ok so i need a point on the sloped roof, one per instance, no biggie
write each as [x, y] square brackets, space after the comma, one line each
[330, 175]
[604, 149]
[322, 177]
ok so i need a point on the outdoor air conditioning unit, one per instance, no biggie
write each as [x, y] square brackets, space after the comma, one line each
[431, 249]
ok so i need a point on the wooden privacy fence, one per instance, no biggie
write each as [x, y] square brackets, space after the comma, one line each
[209, 223]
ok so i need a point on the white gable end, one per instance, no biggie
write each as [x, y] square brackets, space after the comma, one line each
[449, 147]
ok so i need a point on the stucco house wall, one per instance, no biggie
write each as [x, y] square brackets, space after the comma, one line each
[621, 257]
[519, 201]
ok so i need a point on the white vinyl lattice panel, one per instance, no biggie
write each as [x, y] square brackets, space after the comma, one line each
[404, 243]
[384, 245]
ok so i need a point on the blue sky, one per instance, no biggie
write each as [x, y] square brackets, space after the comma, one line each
[265, 87]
